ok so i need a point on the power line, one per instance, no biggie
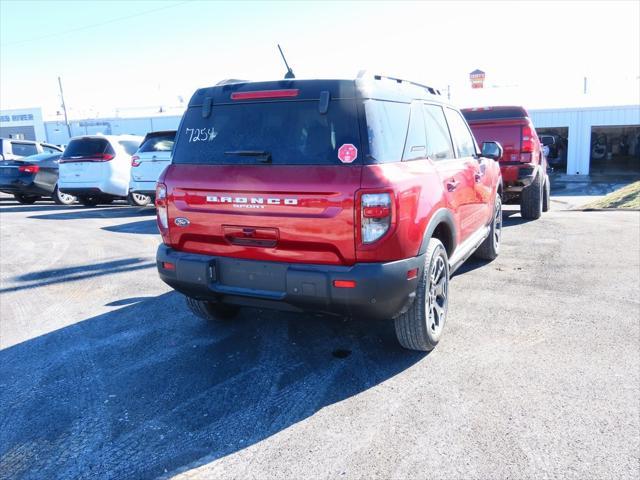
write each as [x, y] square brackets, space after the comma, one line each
[86, 27]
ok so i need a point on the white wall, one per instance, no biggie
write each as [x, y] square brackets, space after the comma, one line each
[36, 122]
[56, 132]
[579, 121]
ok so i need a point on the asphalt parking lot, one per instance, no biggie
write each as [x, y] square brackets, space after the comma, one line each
[105, 374]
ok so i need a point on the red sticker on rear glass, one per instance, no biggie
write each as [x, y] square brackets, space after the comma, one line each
[347, 153]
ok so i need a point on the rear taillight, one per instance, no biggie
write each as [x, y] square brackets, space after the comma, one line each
[375, 216]
[135, 161]
[98, 157]
[161, 207]
[29, 168]
[528, 139]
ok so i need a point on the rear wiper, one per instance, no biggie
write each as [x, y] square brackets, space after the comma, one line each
[262, 154]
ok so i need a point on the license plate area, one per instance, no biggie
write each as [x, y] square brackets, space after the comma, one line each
[262, 276]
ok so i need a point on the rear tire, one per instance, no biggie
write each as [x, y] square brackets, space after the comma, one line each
[490, 248]
[26, 199]
[420, 327]
[531, 200]
[88, 201]
[138, 199]
[546, 199]
[212, 311]
[62, 198]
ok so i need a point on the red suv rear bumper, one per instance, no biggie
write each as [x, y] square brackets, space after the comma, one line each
[381, 290]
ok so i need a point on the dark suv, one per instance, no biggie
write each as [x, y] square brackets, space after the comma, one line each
[353, 197]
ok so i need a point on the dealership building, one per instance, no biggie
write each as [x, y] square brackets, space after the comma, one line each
[588, 141]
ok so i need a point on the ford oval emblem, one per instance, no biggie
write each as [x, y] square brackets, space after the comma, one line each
[181, 221]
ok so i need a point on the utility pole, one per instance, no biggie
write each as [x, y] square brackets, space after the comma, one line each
[585, 86]
[64, 108]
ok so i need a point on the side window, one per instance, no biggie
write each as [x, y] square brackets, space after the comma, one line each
[461, 135]
[439, 145]
[387, 129]
[416, 146]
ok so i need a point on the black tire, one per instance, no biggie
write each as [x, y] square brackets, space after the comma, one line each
[26, 199]
[546, 199]
[88, 201]
[211, 311]
[420, 327]
[62, 198]
[490, 248]
[531, 200]
[138, 200]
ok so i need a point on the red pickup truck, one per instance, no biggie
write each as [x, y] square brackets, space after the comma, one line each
[523, 164]
[353, 197]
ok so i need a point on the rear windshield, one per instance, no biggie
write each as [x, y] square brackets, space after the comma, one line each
[281, 133]
[87, 147]
[158, 142]
[24, 149]
[498, 114]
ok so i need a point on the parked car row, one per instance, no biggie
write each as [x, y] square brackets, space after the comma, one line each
[350, 197]
[92, 169]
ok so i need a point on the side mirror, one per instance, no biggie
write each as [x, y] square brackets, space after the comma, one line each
[492, 150]
[547, 140]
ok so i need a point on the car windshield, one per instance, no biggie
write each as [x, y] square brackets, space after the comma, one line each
[285, 133]
[41, 157]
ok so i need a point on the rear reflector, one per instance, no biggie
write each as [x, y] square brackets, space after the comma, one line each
[29, 168]
[344, 283]
[168, 266]
[265, 94]
[376, 212]
[411, 274]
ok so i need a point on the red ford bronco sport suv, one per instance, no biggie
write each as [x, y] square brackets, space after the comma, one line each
[354, 197]
[523, 165]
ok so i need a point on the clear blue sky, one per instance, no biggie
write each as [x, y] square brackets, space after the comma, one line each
[120, 54]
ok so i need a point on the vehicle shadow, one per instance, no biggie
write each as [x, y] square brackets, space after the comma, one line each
[62, 275]
[142, 227]
[511, 218]
[115, 211]
[149, 389]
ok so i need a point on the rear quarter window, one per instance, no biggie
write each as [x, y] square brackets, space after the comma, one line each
[387, 124]
[285, 132]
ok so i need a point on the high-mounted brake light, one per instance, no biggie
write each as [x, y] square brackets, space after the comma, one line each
[135, 161]
[293, 92]
[29, 168]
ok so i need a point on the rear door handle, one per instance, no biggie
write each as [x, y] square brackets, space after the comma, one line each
[452, 185]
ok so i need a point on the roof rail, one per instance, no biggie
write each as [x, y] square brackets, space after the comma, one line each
[431, 90]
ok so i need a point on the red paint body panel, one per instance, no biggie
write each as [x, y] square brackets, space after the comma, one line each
[318, 229]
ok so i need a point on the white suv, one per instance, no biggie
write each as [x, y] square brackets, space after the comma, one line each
[147, 164]
[97, 168]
